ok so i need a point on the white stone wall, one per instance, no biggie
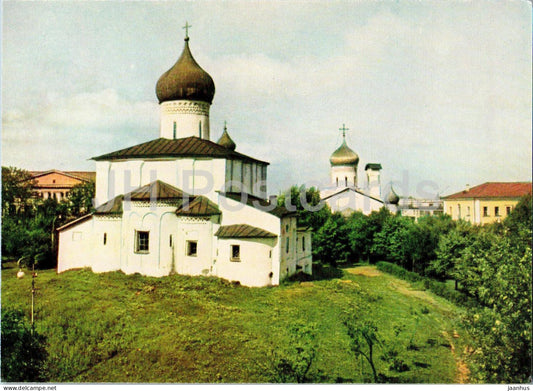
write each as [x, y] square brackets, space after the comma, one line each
[194, 176]
[188, 118]
[82, 245]
[255, 265]
[289, 253]
[246, 177]
[304, 261]
[373, 183]
[200, 230]
[342, 176]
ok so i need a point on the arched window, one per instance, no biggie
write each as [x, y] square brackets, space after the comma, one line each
[345, 181]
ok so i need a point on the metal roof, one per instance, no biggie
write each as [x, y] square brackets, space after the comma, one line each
[156, 191]
[344, 155]
[373, 166]
[243, 231]
[199, 206]
[494, 190]
[186, 80]
[259, 203]
[182, 147]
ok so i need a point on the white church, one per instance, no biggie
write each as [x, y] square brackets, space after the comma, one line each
[184, 204]
[344, 195]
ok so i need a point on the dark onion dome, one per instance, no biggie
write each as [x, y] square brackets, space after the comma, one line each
[344, 156]
[226, 141]
[186, 80]
[392, 197]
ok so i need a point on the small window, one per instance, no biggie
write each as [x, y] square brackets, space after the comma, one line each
[287, 245]
[142, 241]
[345, 181]
[270, 254]
[192, 248]
[485, 211]
[459, 210]
[508, 210]
[303, 243]
[105, 238]
[170, 240]
[467, 211]
[497, 211]
[337, 179]
[235, 253]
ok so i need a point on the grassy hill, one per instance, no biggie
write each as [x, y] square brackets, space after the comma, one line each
[117, 328]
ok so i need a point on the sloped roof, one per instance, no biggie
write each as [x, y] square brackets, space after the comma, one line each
[243, 231]
[75, 222]
[351, 189]
[199, 206]
[259, 203]
[187, 205]
[373, 166]
[85, 176]
[494, 190]
[156, 191]
[183, 147]
[111, 207]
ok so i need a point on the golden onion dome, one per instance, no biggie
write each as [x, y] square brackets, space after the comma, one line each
[226, 141]
[186, 80]
[392, 197]
[344, 156]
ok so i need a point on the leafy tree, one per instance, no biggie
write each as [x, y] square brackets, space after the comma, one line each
[519, 223]
[293, 364]
[502, 329]
[80, 199]
[449, 251]
[363, 339]
[311, 212]
[330, 244]
[23, 350]
[359, 237]
[17, 191]
[374, 224]
[396, 242]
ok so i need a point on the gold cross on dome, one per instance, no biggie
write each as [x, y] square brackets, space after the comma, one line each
[344, 129]
[186, 27]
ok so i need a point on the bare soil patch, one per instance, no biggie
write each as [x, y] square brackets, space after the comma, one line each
[368, 271]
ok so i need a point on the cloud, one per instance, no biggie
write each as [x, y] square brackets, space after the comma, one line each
[78, 126]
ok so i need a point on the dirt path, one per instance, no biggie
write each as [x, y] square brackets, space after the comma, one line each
[368, 271]
[404, 288]
[462, 369]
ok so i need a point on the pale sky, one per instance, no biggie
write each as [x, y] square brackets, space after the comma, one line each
[439, 93]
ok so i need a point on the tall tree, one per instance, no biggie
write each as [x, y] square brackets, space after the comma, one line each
[17, 191]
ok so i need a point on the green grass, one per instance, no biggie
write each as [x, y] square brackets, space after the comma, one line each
[117, 328]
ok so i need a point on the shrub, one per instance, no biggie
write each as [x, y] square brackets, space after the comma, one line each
[23, 351]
